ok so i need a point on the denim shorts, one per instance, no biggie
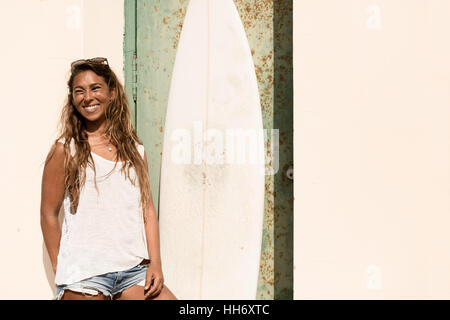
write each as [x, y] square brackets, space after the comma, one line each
[109, 284]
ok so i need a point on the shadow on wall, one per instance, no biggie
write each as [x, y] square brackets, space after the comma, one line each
[46, 258]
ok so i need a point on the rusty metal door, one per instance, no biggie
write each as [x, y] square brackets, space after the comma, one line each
[152, 30]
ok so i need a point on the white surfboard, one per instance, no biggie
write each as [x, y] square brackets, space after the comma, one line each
[212, 175]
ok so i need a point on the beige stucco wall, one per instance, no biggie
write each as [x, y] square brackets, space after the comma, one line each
[371, 85]
[371, 116]
[40, 39]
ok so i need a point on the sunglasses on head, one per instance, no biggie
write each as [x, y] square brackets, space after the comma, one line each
[99, 60]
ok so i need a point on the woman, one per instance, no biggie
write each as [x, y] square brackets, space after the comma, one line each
[108, 246]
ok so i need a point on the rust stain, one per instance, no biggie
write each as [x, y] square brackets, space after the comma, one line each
[253, 12]
[179, 17]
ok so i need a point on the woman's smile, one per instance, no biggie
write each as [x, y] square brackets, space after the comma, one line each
[91, 96]
[91, 108]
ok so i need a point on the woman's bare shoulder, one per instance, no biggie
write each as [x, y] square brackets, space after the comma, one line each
[56, 155]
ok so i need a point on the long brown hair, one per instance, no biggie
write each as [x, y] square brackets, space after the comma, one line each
[118, 130]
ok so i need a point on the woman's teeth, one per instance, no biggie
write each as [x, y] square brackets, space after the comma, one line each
[91, 108]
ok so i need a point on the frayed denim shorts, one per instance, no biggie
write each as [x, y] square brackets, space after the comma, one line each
[109, 284]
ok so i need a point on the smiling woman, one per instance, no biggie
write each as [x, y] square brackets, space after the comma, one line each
[91, 96]
[108, 247]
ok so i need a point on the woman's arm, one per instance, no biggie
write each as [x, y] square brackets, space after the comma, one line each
[52, 193]
[155, 279]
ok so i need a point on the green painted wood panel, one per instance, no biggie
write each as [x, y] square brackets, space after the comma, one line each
[283, 121]
[129, 46]
[157, 26]
[158, 29]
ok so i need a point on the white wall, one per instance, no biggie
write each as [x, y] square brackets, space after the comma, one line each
[40, 39]
[371, 116]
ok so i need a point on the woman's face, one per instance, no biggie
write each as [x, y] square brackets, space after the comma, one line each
[91, 96]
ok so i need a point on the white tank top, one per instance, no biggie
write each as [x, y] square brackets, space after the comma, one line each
[107, 232]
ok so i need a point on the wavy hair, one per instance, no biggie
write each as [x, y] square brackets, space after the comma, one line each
[119, 131]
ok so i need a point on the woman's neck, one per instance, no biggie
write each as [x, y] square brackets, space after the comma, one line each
[95, 130]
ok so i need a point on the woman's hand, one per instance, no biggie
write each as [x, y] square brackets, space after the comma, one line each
[154, 280]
